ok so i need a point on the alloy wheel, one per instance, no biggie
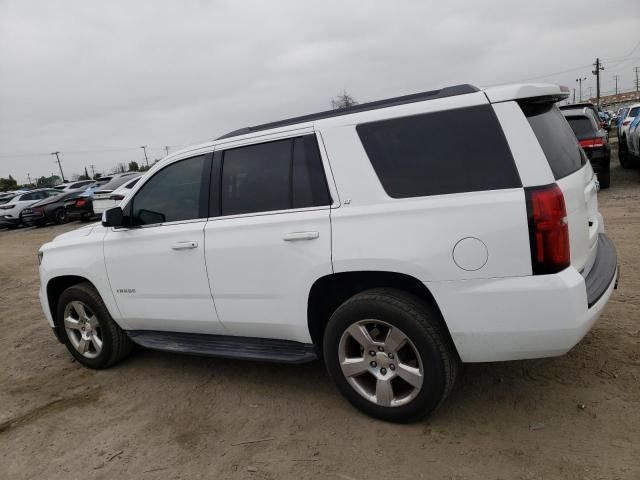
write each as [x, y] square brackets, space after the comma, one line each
[381, 363]
[83, 329]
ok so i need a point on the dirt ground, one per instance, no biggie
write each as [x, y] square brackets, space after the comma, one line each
[178, 417]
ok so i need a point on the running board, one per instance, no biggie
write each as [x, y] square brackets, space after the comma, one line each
[225, 346]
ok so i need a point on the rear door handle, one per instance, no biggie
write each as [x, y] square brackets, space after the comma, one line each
[295, 236]
[184, 245]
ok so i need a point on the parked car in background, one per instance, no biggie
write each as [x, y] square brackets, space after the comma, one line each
[588, 105]
[79, 207]
[48, 210]
[593, 139]
[620, 116]
[104, 201]
[6, 196]
[11, 211]
[66, 187]
[369, 236]
[626, 160]
[633, 140]
[104, 192]
[605, 120]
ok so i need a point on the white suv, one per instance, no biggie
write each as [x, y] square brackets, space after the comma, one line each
[395, 239]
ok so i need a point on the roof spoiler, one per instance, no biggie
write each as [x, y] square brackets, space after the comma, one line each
[529, 92]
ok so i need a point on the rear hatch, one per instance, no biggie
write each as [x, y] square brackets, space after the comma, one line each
[573, 175]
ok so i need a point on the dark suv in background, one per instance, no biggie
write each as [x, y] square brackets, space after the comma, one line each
[593, 139]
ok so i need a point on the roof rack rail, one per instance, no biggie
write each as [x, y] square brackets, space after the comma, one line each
[363, 107]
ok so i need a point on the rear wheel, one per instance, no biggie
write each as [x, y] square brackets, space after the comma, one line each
[389, 354]
[87, 329]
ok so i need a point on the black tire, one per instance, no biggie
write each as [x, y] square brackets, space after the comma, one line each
[60, 216]
[623, 154]
[116, 345]
[422, 325]
[604, 178]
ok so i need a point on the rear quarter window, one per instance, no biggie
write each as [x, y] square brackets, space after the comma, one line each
[452, 151]
[556, 138]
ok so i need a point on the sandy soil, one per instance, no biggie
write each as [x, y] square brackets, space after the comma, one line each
[169, 416]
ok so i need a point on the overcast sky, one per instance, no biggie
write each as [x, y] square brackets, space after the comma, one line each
[96, 80]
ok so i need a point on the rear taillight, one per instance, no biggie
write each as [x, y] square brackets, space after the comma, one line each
[117, 197]
[592, 142]
[626, 122]
[548, 229]
[81, 202]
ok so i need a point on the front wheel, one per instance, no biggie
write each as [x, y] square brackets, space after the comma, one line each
[389, 354]
[623, 154]
[60, 216]
[87, 329]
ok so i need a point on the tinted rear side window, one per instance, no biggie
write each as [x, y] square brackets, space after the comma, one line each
[277, 175]
[634, 111]
[581, 126]
[308, 182]
[556, 138]
[453, 151]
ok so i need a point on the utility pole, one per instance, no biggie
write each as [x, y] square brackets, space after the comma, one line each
[596, 72]
[59, 164]
[93, 171]
[166, 149]
[615, 77]
[144, 148]
[580, 80]
[574, 94]
[637, 82]
[29, 178]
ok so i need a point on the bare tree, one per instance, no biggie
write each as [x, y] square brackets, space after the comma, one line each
[343, 100]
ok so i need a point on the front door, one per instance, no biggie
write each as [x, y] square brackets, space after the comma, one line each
[156, 267]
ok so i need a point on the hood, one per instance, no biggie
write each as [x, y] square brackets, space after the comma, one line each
[78, 232]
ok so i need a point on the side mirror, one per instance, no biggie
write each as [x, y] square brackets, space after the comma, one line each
[113, 217]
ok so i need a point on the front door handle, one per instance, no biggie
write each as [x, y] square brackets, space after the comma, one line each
[295, 236]
[184, 245]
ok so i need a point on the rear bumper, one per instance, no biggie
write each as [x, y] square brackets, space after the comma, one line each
[526, 317]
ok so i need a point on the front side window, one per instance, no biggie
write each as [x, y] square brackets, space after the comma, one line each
[173, 194]
[277, 175]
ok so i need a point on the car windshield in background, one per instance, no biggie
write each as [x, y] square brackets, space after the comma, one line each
[555, 137]
[581, 126]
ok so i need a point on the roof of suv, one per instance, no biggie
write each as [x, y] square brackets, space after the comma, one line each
[494, 94]
[362, 107]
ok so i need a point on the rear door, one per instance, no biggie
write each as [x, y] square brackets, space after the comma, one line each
[574, 176]
[270, 236]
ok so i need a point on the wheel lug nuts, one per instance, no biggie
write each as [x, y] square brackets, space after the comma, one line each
[373, 364]
[390, 355]
[383, 371]
[392, 366]
[372, 353]
[381, 349]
